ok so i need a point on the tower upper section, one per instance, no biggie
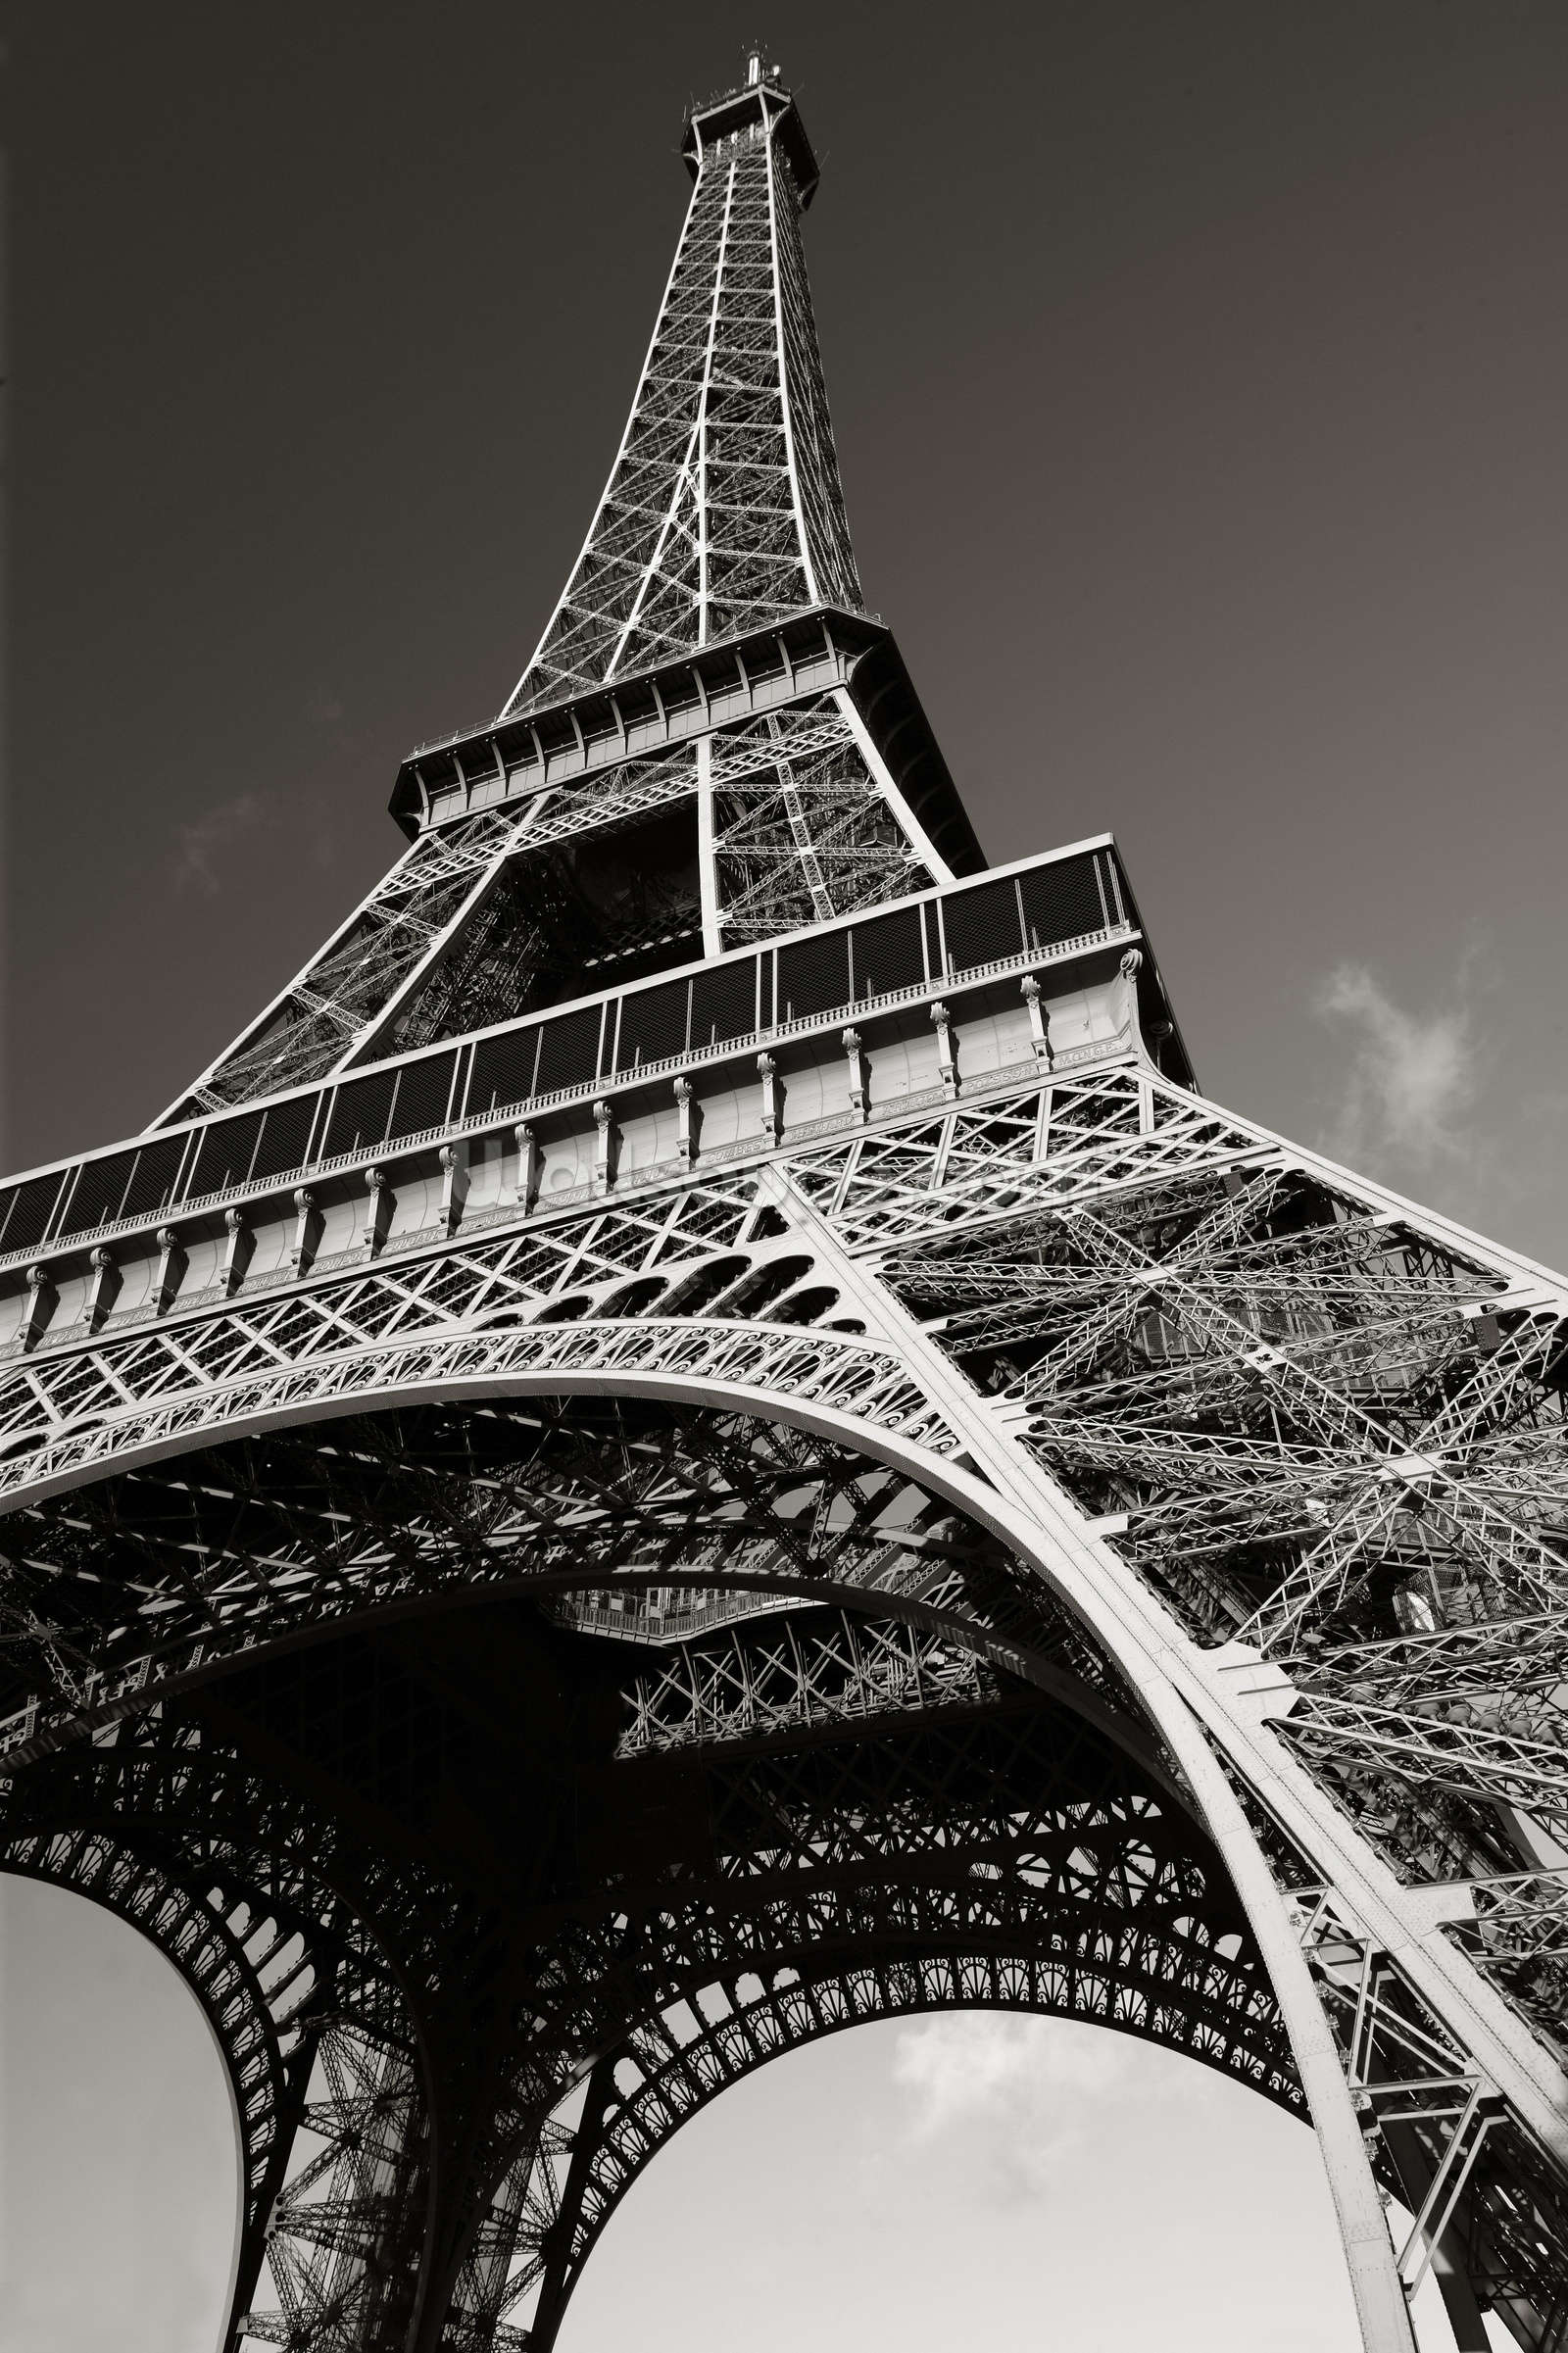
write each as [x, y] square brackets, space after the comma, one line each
[714, 743]
[722, 513]
[710, 840]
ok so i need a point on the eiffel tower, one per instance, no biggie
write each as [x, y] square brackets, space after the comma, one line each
[699, 1436]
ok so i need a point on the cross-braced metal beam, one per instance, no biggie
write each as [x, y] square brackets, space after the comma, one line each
[822, 1481]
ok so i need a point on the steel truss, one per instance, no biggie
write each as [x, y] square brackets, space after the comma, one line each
[723, 518]
[723, 510]
[1037, 1540]
[1314, 1435]
[465, 929]
[1048, 1865]
[400, 972]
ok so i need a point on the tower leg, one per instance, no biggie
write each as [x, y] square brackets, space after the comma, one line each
[1380, 2307]
[558, 2279]
[1380, 2300]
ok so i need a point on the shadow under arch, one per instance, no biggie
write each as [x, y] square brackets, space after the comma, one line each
[833, 1385]
[677, 2061]
[828, 1408]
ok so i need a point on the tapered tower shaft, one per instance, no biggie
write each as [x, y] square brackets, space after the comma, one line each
[722, 513]
[713, 744]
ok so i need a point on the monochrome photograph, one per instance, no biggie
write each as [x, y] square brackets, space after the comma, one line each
[781, 1388]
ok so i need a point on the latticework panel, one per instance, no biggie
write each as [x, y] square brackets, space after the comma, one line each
[245, 1895]
[322, 1524]
[802, 830]
[722, 511]
[412, 964]
[400, 2171]
[547, 895]
[1319, 1432]
[1325, 1431]
[1088, 1905]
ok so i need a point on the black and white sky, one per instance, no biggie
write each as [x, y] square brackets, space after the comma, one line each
[1200, 371]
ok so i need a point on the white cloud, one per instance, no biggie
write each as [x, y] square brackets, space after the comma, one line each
[1015, 2088]
[1411, 1078]
[197, 846]
[966, 2063]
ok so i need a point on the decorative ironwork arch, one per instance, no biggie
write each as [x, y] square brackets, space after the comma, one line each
[816, 1412]
[919, 1591]
[583, 2169]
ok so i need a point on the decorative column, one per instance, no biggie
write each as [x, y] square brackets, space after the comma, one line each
[526, 1189]
[306, 1230]
[454, 1160]
[378, 1211]
[854, 1056]
[768, 1072]
[1038, 1037]
[1132, 963]
[685, 1138]
[102, 1289]
[605, 1147]
[942, 1023]
[236, 1250]
[170, 1258]
[41, 1297]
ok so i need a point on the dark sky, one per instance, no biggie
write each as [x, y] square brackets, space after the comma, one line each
[1201, 374]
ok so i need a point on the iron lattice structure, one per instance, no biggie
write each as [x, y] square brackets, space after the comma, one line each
[700, 1436]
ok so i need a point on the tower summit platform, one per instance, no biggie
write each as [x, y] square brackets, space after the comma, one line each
[761, 102]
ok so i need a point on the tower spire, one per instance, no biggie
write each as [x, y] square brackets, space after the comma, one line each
[722, 513]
